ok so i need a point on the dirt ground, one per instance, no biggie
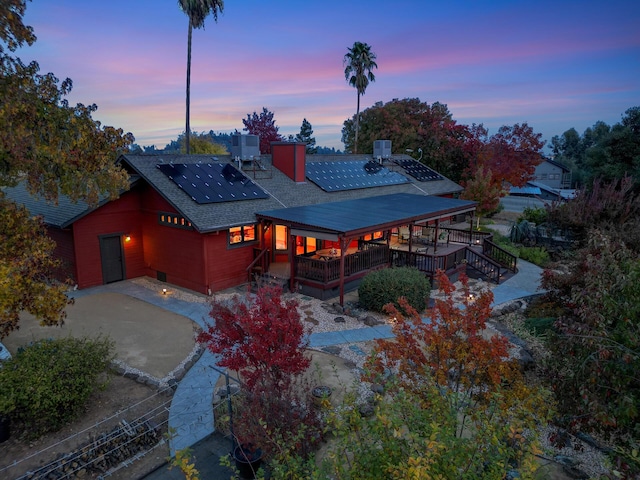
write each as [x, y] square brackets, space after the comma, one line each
[123, 399]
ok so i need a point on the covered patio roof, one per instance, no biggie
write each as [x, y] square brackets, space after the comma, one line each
[357, 217]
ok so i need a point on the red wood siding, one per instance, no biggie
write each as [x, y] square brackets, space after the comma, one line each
[226, 266]
[120, 217]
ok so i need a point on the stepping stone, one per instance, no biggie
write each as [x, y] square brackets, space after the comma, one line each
[356, 349]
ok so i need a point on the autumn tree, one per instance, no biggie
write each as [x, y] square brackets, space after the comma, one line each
[359, 62]
[262, 338]
[455, 404]
[306, 136]
[55, 149]
[483, 188]
[197, 11]
[265, 127]
[513, 154]
[596, 351]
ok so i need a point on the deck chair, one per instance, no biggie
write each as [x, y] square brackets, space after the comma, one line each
[403, 234]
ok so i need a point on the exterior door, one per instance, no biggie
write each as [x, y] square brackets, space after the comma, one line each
[112, 257]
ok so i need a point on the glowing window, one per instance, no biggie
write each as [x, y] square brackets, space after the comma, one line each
[282, 235]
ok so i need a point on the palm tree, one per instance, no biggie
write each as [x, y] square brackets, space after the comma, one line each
[359, 61]
[197, 11]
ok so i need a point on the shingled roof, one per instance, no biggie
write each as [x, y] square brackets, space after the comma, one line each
[282, 191]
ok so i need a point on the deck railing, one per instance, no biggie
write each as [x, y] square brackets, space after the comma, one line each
[371, 255]
[500, 255]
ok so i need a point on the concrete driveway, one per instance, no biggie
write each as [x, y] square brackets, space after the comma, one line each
[146, 337]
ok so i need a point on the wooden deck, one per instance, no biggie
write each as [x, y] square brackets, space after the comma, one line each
[320, 275]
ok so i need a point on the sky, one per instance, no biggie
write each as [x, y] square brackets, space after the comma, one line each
[553, 64]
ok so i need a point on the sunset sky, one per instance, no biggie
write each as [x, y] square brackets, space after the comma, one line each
[554, 64]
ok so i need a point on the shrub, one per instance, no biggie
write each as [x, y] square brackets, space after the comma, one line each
[539, 326]
[388, 285]
[537, 215]
[50, 381]
[536, 255]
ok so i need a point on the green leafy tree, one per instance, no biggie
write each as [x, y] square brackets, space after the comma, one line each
[265, 127]
[56, 149]
[197, 11]
[359, 62]
[411, 124]
[202, 144]
[306, 136]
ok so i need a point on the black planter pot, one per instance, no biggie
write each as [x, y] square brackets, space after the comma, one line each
[4, 428]
[248, 460]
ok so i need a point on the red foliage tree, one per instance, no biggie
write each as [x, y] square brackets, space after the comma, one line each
[451, 349]
[264, 126]
[262, 340]
[514, 153]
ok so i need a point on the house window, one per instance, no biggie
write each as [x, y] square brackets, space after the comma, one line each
[243, 234]
[305, 245]
[173, 220]
[282, 236]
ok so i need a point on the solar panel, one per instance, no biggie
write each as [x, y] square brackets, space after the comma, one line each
[351, 175]
[419, 171]
[212, 182]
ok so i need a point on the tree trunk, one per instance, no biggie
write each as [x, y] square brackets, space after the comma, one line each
[355, 143]
[187, 129]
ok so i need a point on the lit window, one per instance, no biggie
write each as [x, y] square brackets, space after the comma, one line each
[173, 220]
[240, 235]
[282, 234]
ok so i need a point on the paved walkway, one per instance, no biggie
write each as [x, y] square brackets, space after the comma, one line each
[191, 414]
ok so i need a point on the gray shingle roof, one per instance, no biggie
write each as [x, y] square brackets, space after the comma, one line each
[283, 192]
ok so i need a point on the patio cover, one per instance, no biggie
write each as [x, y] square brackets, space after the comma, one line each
[352, 218]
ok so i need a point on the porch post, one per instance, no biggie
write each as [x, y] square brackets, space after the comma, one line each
[435, 237]
[344, 243]
[292, 267]
[471, 228]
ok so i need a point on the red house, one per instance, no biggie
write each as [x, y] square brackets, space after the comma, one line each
[208, 223]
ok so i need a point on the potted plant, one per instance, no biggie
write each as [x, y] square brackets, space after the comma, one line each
[248, 459]
[262, 338]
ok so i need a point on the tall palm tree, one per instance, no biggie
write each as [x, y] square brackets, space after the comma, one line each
[359, 61]
[197, 11]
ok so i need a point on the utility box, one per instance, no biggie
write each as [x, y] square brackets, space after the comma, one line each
[245, 147]
[382, 149]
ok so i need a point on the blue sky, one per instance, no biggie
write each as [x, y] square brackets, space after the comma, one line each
[554, 64]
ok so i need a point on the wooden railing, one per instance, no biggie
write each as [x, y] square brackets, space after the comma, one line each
[262, 258]
[485, 265]
[500, 255]
[371, 255]
[427, 263]
[459, 236]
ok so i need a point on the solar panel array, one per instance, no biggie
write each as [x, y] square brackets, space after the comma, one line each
[212, 182]
[351, 175]
[419, 171]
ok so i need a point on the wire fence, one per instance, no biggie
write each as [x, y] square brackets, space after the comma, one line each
[113, 443]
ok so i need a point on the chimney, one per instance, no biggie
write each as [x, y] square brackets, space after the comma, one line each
[290, 158]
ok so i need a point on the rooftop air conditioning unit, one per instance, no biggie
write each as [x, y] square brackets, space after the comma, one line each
[382, 149]
[245, 147]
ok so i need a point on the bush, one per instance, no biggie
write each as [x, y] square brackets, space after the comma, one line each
[49, 382]
[536, 255]
[539, 326]
[537, 215]
[388, 285]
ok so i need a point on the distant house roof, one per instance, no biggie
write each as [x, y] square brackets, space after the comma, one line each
[526, 190]
[353, 217]
[557, 164]
[282, 191]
